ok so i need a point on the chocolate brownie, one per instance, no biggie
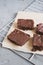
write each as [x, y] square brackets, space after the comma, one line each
[37, 42]
[39, 28]
[25, 24]
[18, 37]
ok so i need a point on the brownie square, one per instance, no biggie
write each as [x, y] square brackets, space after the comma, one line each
[39, 28]
[37, 42]
[18, 37]
[25, 24]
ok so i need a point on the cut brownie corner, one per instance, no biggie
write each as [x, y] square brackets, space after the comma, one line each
[25, 24]
[18, 37]
[39, 28]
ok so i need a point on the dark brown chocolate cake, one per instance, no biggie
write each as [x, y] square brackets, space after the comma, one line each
[37, 42]
[18, 37]
[39, 28]
[25, 24]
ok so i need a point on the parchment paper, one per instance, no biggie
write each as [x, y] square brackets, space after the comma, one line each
[37, 17]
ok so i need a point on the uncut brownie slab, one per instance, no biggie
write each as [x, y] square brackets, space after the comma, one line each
[39, 28]
[25, 24]
[37, 42]
[18, 37]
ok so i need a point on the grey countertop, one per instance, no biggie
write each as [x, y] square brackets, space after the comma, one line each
[8, 11]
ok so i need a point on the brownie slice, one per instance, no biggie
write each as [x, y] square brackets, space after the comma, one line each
[39, 28]
[37, 42]
[25, 24]
[18, 37]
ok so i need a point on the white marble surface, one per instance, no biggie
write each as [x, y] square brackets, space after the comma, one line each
[37, 6]
[8, 57]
